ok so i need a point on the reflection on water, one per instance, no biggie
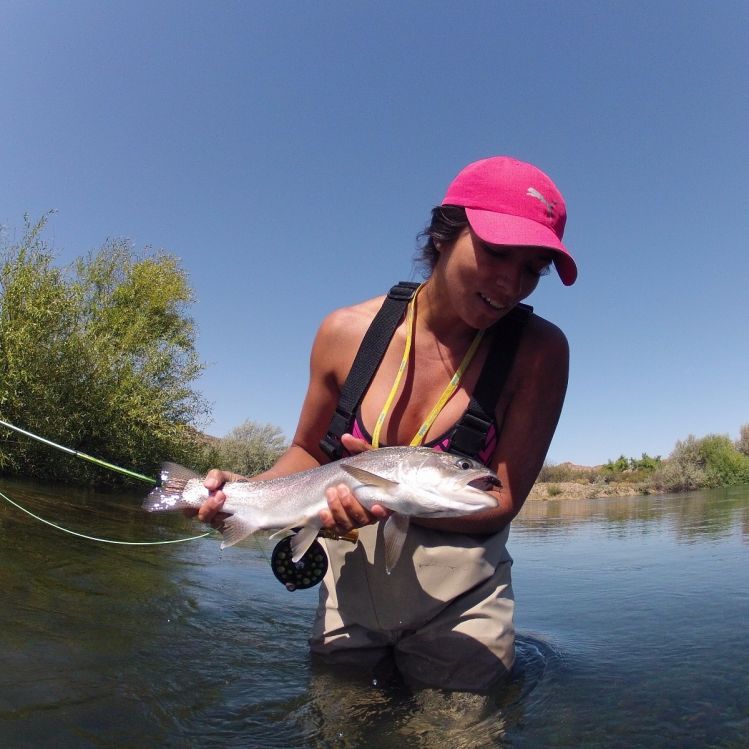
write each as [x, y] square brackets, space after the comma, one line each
[715, 513]
[631, 615]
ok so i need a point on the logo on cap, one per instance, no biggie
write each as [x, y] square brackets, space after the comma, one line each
[549, 205]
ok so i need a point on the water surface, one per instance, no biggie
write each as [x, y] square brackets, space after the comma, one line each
[631, 613]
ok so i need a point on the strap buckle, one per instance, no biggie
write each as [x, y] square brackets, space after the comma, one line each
[469, 435]
[330, 444]
[403, 291]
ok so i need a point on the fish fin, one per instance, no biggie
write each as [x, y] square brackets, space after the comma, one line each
[176, 472]
[302, 540]
[236, 528]
[168, 494]
[159, 500]
[289, 529]
[283, 532]
[369, 479]
[394, 534]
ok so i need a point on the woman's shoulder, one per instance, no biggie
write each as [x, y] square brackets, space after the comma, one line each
[541, 327]
[346, 323]
[543, 339]
[340, 335]
[541, 364]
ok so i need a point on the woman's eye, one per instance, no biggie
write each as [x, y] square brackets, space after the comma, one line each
[495, 251]
[539, 271]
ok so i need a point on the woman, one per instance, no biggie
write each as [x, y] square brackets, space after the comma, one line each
[445, 611]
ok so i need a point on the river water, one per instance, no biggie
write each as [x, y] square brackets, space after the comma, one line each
[632, 618]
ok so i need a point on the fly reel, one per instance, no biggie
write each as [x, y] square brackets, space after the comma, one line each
[311, 568]
[306, 573]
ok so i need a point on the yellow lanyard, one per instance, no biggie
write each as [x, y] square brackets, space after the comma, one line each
[447, 393]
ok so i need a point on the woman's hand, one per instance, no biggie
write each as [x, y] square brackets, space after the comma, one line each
[344, 511]
[210, 510]
[354, 445]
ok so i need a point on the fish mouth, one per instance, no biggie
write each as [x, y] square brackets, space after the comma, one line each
[485, 482]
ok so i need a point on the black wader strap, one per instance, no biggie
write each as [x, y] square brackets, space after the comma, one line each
[367, 360]
[471, 431]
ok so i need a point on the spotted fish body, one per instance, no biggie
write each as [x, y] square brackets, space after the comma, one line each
[409, 481]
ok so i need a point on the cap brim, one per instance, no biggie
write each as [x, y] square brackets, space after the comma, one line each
[501, 228]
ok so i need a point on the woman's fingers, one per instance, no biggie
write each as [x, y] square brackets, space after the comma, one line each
[355, 445]
[345, 513]
[210, 510]
[215, 479]
[212, 506]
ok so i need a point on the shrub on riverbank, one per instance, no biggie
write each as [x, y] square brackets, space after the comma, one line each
[708, 462]
[742, 443]
[248, 449]
[695, 463]
[99, 356]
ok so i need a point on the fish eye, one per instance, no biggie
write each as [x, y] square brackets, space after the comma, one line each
[464, 464]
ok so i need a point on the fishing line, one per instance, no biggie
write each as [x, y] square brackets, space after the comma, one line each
[102, 464]
[100, 540]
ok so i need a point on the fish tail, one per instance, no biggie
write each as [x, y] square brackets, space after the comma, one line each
[168, 495]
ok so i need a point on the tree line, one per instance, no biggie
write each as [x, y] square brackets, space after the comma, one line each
[695, 463]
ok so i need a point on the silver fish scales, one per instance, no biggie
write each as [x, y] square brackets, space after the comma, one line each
[409, 481]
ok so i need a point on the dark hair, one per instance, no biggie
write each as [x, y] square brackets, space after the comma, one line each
[447, 224]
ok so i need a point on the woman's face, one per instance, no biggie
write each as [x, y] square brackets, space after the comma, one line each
[485, 280]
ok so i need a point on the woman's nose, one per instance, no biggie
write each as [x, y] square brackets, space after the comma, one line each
[510, 280]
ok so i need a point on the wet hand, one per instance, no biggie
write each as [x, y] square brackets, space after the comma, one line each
[345, 512]
[210, 510]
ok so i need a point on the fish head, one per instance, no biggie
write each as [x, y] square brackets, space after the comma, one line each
[439, 484]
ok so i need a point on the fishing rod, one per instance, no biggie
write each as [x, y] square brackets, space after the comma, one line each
[102, 464]
[82, 455]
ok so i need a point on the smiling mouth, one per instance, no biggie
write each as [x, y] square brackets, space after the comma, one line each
[494, 305]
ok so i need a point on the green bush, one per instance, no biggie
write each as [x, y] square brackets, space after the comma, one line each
[678, 476]
[742, 443]
[644, 465]
[248, 449]
[99, 357]
[710, 461]
[724, 464]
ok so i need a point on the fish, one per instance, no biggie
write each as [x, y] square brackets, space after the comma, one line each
[408, 481]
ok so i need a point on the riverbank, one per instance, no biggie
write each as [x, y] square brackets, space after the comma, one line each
[545, 490]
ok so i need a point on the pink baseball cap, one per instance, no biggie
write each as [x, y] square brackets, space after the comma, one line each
[512, 202]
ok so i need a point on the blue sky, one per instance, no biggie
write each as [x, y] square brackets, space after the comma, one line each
[289, 153]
